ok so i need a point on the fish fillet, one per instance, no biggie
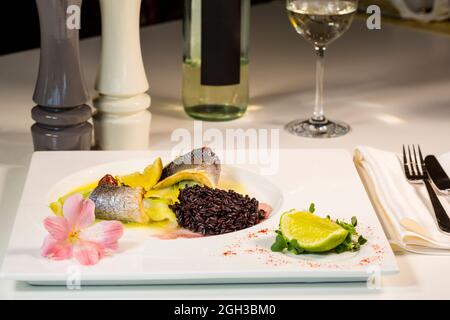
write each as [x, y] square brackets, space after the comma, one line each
[119, 203]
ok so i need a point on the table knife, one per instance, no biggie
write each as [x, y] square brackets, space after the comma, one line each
[437, 173]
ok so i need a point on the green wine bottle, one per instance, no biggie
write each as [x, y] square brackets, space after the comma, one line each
[215, 59]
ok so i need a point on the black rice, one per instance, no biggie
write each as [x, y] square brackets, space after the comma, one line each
[213, 211]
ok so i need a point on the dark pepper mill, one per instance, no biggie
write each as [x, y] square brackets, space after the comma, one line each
[61, 113]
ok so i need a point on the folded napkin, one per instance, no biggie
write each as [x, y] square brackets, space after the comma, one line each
[404, 209]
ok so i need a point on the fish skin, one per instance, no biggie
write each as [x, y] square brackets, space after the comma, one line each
[119, 203]
[201, 159]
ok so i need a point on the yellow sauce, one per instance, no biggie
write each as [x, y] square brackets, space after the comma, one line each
[56, 206]
[84, 190]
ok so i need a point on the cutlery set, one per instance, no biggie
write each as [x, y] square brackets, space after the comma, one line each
[429, 172]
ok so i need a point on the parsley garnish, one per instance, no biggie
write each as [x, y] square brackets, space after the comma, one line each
[354, 241]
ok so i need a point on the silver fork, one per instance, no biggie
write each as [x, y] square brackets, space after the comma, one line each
[416, 172]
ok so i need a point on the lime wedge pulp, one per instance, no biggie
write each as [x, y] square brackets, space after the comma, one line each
[313, 233]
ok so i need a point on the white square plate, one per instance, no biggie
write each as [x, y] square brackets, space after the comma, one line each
[326, 177]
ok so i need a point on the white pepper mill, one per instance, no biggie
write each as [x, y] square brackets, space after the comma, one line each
[122, 121]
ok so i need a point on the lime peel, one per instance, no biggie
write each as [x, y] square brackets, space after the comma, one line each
[303, 232]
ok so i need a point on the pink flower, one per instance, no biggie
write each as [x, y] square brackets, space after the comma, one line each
[76, 235]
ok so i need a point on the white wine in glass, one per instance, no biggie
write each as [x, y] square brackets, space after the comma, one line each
[320, 22]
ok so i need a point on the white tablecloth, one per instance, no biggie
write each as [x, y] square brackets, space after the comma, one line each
[392, 85]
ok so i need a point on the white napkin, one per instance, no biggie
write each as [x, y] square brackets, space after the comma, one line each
[404, 209]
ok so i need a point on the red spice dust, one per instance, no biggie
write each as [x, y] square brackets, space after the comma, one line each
[257, 250]
[252, 235]
[365, 261]
[371, 260]
[377, 248]
[267, 257]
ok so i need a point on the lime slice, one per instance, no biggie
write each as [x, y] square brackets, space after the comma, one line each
[313, 233]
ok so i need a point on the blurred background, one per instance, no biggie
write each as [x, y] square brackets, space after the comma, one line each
[19, 23]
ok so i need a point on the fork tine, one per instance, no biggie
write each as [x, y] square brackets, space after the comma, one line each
[410, 162]
[422, 163]
[416, 163]
[405, 164]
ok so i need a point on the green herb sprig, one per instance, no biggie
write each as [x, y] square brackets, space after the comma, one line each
[353, 241]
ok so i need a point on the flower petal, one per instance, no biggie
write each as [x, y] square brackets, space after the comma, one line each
[71, 208]
[88, 253]
[57, 227]
[105, 233]
[87, 215]
[56, 250]
[79, 212]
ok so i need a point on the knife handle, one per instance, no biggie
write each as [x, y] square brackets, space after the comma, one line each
[441, 216]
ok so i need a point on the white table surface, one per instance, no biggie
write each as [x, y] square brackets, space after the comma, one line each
[392, 85]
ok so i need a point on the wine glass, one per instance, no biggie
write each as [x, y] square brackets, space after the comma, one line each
[320, 22]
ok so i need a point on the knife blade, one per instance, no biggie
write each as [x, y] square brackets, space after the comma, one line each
[437, 173]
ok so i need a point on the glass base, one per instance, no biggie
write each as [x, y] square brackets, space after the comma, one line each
[215, 112]
[317, 129]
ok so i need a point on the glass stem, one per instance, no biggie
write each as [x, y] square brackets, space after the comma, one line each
[318, 108]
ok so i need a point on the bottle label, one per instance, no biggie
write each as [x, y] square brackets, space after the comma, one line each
[220, 42]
